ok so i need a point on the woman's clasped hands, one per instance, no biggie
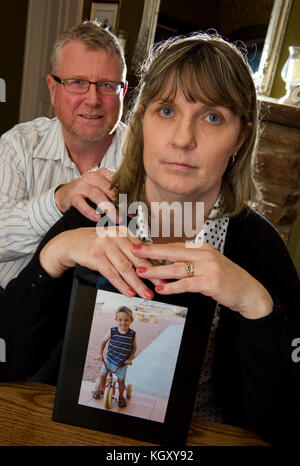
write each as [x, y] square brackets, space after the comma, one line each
[125, 261]
[204, 270]
[105, 250]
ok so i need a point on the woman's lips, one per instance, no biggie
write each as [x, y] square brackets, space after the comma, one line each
[180, 166]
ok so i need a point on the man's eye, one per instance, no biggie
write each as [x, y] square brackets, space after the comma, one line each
[78, 82]
[166, 111]
[106, 85]
[213, 118]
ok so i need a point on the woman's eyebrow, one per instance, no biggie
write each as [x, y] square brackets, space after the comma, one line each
[160, 101]
[206, 106]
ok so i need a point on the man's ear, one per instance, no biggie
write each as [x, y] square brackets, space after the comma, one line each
[125, 88]
[51, 87]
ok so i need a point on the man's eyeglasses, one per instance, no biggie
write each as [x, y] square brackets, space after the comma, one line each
[81, 86]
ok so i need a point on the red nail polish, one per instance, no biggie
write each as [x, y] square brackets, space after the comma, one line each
[149, 294]
[159, 288]
[141, 269]
[136, 246]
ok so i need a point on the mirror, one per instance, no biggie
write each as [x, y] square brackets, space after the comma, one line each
[237, 20]
[273, 45]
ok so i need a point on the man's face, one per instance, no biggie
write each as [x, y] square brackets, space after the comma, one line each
[91, 116]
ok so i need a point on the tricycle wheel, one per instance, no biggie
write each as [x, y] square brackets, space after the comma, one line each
[129, 390]
[108, 394]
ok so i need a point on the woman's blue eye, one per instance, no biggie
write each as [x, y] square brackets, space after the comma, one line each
[166, 111]
[213, 118]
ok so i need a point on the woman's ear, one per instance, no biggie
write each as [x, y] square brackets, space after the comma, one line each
[244, 133]
[141, 112]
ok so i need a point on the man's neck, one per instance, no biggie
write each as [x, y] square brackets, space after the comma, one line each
[87, 154]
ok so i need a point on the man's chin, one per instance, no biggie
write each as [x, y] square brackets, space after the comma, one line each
[85, 137]
[90, 138]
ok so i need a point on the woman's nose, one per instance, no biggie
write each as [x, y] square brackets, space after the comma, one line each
[184, 136]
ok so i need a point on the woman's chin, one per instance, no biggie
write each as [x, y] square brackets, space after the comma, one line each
[181, 191]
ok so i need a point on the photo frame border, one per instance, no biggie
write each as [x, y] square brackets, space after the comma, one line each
[112, 7]
[174, 430]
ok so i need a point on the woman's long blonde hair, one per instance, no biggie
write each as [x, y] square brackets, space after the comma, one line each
[206, 68]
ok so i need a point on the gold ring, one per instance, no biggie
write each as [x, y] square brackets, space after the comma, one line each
[190, 269]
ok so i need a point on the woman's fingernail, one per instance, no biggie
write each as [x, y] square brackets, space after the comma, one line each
[159, 288]
[136, 246]
[149, 294]
[131, 292]
[141, 269]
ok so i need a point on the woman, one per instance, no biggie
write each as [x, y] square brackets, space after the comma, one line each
[191, 141]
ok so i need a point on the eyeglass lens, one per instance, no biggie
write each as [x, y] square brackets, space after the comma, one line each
[81, 86]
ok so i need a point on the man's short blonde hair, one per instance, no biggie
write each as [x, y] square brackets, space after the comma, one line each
[93, 36]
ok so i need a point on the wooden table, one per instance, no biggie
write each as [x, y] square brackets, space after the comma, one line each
[25, 420]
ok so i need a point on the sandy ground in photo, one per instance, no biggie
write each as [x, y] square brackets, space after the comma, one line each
[146, 332]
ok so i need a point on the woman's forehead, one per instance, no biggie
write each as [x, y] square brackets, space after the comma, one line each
[193, 85]
[197, 86]
[169, 92]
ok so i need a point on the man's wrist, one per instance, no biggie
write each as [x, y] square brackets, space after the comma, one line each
[59, 198]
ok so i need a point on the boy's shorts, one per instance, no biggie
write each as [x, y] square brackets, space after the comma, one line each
[121, 372]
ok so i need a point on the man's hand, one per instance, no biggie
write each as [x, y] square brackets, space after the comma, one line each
[94, 185]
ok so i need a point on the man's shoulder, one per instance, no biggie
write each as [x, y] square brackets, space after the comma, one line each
[37, 127]
[121, 126]
[120, 130]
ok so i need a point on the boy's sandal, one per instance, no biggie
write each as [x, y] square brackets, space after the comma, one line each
[122, 403]
[97, 394]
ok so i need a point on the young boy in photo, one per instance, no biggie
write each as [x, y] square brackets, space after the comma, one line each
[121, 351]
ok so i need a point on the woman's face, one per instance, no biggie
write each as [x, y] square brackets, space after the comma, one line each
[187, 147]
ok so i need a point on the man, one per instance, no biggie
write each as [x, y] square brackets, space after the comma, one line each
[46, 166]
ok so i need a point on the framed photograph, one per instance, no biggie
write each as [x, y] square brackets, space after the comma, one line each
[167, 339]
[106, 13]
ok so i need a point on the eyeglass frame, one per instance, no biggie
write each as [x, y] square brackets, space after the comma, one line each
[62, 82]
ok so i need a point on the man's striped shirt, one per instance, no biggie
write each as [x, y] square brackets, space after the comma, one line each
[34, 161]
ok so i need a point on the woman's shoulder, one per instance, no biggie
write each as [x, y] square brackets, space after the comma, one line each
[251, 222]
[252, 236]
